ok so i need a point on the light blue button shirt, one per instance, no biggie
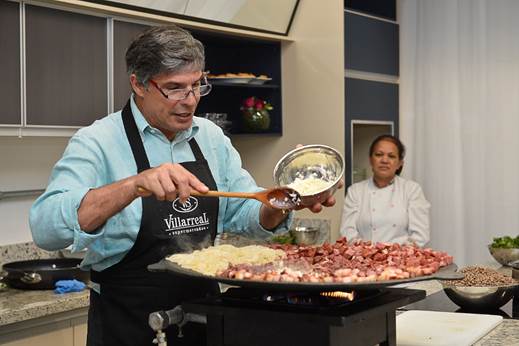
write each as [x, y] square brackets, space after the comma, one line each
[100, 154]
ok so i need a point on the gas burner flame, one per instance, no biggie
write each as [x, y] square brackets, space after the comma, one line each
[339, 295]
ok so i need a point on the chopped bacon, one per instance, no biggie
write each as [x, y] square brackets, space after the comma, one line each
[344, 262]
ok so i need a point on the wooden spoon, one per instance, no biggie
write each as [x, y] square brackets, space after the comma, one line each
[278, 197]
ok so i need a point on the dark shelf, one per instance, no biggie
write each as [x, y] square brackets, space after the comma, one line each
[245, 85]
[267, 133]
[226, 53]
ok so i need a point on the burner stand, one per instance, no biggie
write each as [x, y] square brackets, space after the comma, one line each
[247, 323]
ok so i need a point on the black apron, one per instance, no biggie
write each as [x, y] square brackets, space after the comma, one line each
[129, 292]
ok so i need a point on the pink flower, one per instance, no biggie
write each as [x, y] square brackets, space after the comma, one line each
[253, 104]
[249, 102]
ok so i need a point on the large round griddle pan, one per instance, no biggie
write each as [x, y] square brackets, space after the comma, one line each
[446, 273]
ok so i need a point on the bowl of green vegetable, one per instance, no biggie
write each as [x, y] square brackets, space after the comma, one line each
[297, 236]
[505, 249]
[283, 238]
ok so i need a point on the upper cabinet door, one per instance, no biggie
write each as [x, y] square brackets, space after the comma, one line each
[377, 8]
[124, 33]
[371, 45]
[66, 67]
[10, 111]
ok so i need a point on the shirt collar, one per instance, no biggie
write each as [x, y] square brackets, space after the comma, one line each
[374, 186]
[142, 124]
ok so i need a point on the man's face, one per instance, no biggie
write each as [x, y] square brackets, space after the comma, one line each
[169, 116]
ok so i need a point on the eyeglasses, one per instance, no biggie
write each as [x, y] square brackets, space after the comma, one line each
[201, 89]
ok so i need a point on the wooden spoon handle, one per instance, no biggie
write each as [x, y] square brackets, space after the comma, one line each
[212, 193]
[224, 194]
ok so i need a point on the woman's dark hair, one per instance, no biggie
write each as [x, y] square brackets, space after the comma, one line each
[390, 138]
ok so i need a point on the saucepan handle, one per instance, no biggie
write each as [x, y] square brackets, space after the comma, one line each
[30, 278]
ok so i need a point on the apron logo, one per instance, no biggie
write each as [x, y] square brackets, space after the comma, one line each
[188, 206]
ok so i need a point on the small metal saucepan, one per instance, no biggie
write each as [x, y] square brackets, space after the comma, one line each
[515, 269]
[42, 274]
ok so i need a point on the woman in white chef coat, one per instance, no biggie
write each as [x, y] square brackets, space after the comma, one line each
[386, 207]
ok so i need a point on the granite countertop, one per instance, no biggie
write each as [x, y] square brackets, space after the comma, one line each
[505, 334]
[21, 305]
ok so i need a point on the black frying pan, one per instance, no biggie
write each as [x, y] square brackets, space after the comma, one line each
[42, 274]
[446, 273]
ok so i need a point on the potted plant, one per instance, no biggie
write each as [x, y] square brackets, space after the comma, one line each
[256, 116]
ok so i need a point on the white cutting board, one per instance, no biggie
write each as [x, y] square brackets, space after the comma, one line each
[426, 328]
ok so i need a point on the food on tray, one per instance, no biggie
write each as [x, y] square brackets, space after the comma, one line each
[344, 262]
[241, 77]
[231, 75]
[211, 260]
[506, 242]
[309, 186]
[476, 276]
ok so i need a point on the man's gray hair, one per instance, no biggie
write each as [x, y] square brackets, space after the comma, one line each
[164, 49]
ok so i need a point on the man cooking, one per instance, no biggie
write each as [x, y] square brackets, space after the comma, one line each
[123, 188]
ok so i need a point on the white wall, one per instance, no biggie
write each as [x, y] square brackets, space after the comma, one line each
[313, 96]
[25, 164]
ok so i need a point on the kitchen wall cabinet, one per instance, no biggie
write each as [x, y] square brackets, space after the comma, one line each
[371, 45]
[371, 100]
[10, 87]
[124, 32]
[66, 67]
[383, 9]
[74, 71]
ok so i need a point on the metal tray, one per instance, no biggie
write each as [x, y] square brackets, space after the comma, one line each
[446, 273]
[232, 80]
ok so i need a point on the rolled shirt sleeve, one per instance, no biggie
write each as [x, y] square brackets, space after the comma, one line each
[99, 154]
[53, 217]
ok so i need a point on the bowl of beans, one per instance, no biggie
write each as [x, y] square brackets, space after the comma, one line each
[481, 289]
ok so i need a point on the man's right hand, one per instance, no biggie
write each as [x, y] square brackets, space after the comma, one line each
[167, 182]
